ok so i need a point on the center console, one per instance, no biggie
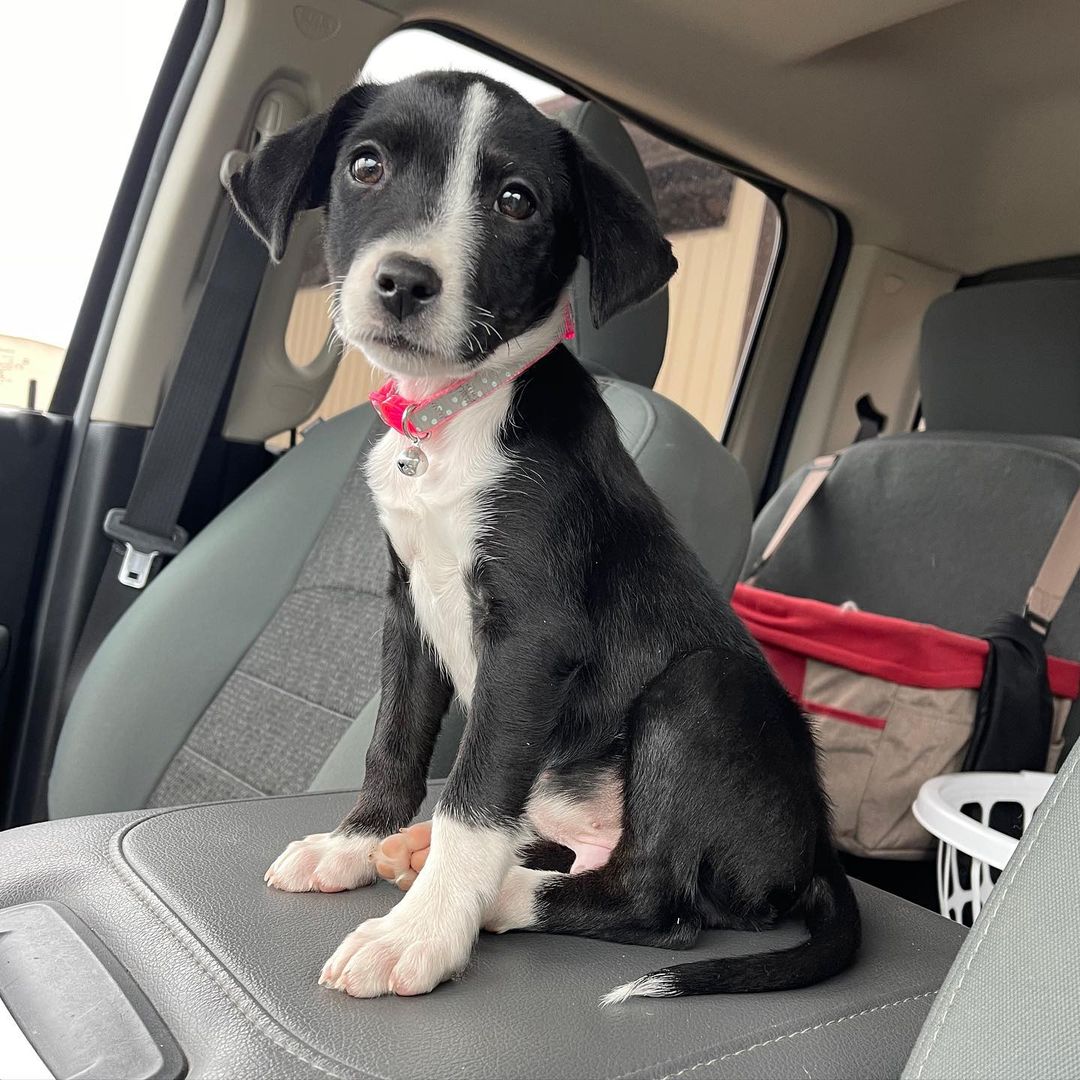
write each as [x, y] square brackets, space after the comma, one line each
[146, 944]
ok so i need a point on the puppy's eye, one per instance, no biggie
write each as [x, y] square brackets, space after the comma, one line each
[367, 167]
[516, 201]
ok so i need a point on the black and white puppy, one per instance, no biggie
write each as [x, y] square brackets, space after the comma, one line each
[614, 703]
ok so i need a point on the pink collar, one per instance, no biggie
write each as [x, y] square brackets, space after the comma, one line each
[417, 417]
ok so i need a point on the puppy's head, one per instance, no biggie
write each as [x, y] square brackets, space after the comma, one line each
[455, 214]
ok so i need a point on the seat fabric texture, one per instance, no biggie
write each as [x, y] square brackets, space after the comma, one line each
[1008, 1007]
[1004, 358]
[251, 665]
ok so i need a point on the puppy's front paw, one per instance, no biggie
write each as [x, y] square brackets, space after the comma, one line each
[324, 862]
[382, 956]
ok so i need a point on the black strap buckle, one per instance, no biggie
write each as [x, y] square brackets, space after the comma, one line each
[1037, 623]
[141, 548]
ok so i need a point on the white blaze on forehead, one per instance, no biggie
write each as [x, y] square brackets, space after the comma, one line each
[459, 208]
[455, 232]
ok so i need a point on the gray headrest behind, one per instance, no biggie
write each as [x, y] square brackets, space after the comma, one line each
[631, 345]
[1003, 358]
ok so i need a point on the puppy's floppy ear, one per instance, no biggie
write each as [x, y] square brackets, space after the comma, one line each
[291, 172]
[629, 257]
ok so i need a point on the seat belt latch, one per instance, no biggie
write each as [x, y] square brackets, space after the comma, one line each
[141, 548]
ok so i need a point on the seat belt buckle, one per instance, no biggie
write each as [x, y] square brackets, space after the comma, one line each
[1040, 607]
[141, 548]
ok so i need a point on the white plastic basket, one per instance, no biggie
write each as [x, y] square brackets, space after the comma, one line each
[938, 810]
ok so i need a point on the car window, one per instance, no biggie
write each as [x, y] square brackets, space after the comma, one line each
[66, 143]
[724, 232]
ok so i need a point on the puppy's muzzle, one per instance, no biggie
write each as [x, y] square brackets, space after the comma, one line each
[405, 285]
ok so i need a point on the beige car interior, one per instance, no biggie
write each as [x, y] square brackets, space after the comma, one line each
[977, 182]
[907, 146]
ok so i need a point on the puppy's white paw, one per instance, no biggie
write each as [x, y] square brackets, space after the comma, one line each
[325, 862]
[384, 957]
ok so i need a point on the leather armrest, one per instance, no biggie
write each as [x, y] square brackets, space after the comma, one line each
[232, 968]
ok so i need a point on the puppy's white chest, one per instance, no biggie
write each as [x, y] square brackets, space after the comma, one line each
[434, 522]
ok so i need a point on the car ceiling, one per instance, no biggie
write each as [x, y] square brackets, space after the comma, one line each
[949, 131]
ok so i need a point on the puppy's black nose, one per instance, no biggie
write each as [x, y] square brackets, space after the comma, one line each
[405, 285]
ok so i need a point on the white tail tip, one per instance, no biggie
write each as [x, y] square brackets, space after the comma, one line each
[658, 985]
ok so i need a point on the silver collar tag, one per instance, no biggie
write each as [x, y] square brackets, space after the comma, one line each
[419, 418]
[412, 461]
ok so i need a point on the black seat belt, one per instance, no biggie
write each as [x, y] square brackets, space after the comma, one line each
[146, 532]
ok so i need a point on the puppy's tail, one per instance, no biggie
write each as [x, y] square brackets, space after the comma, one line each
[832, 917]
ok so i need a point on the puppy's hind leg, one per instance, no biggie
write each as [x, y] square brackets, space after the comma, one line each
[647, 892]
[688, 780]
[401, 856]
[723, 826]
[604, 903]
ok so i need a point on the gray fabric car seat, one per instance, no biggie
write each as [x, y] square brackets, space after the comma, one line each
[949, 526]
[251, 664]
[1004, 358]
[1008, 1006]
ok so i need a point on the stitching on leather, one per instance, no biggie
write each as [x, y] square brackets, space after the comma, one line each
[796, 1034]
[990, 911]
[250, 1009]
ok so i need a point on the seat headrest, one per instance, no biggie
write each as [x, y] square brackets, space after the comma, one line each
[1003, 358]
[631, 345]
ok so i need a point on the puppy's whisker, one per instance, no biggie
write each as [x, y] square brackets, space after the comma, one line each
[488, 329]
